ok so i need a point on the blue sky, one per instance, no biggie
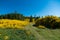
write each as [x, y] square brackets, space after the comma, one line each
[31, 7]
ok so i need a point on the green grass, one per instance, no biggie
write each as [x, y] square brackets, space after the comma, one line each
[15, 34]
[35, 34]
[49, 34]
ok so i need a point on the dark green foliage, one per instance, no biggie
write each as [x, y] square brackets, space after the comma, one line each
[14, 15]
[36, 18]
[31, 19]
[49, 22]
[1, 16]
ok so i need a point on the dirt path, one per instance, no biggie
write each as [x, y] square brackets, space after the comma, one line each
[34, 32]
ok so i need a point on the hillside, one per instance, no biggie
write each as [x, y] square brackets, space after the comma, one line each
[29, 33]
[14, 28]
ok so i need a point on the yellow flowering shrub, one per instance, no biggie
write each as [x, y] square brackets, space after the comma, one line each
[6, 23]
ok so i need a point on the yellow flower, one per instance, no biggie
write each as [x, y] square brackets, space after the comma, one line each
[6, 23]
[6, 37]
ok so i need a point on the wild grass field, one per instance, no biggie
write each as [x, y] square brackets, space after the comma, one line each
[29, 33]
[47, 28]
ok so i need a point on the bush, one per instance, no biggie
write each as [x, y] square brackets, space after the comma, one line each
[51, 22]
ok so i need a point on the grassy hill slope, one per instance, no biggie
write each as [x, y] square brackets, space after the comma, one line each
[29, 33]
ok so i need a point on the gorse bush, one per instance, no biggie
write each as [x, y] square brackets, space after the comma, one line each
[49, 22]
[6, 23]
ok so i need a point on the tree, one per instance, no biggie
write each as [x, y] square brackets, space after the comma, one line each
[31, 18]
[14, 15]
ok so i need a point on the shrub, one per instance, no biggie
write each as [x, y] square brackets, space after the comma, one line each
[7, 23]
[49, 22]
